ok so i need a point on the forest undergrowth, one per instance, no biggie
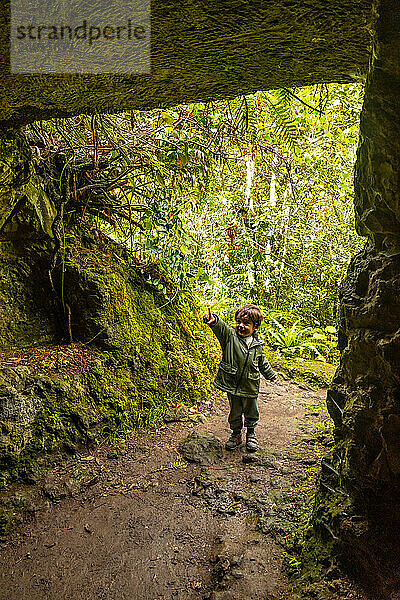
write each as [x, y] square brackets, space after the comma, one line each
[152, 217]
[247, 200]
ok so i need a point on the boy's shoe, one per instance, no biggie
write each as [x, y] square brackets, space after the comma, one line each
[234, 441]
[251, 442]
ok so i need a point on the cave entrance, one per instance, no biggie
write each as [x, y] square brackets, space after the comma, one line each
[365, 396]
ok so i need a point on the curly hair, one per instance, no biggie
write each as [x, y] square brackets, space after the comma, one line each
[252, 312]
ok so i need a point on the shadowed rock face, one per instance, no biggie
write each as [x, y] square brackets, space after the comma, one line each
[208, 50]
[361, 494]
[377, 167]
[360, 497]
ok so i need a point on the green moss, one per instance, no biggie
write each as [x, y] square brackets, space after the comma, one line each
[15, 169]
[313, 372]
[6, 520]
[26, 317]
[146, 351]
[162, 334]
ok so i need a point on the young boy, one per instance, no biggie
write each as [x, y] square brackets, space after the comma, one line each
[239, 371]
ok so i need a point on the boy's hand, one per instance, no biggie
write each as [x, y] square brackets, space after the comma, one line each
[208, 318]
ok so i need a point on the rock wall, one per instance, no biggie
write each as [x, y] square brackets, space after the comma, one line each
[26, 311]
[139, 345]
[15, 170]
[358, 508]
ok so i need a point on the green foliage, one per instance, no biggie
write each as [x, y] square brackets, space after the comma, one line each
[284, 122]
[177, 464]
[326, 341]
[241, 200]
[293, 340]
[284, 242]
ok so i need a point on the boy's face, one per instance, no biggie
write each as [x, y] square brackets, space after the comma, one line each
[244, 327]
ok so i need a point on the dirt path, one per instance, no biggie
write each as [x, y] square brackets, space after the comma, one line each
[146, 525]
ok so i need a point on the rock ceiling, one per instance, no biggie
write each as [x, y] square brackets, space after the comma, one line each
[204, 50]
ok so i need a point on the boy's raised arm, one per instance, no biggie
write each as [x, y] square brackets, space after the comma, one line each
[219, 327]
[209, 318]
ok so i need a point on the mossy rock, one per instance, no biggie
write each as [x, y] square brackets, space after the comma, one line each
[204, 448]
[141, 352]
[313, 372]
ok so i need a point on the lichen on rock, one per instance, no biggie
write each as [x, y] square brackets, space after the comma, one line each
[18, 402]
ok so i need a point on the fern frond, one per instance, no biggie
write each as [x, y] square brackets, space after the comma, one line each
[284, 123]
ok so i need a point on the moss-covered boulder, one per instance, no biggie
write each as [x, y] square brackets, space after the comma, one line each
[139, 347]
[317, 373]
[26, 308]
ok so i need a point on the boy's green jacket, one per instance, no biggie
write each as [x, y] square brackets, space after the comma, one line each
[240, 368]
